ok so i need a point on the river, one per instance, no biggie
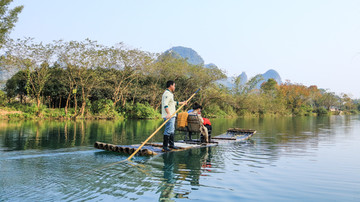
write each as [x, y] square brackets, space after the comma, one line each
[289, 159]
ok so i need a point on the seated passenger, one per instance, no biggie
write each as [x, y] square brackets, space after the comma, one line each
[207, 124]
[197, 111]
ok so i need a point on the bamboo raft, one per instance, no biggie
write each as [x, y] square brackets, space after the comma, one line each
[150, 149]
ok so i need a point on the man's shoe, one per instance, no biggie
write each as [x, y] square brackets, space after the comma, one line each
[165, 144]
[171, 142]
[166, 149]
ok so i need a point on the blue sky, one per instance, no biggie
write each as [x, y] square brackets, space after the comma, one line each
[310, 42]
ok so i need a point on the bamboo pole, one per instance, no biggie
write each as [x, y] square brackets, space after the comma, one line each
[157, 130]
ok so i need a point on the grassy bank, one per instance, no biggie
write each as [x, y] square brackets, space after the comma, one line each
[105, 110]
[101, 110]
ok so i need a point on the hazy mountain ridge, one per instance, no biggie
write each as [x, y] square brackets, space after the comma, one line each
[194, 58]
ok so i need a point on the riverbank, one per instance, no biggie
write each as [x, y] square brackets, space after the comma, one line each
[107, 111]
[137, 111]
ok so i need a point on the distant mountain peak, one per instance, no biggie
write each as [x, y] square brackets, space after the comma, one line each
[243, 78]
[270, 74]
[194, 58]
[211, 65]
[189, 54]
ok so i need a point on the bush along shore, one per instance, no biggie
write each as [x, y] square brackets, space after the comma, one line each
[104, 109]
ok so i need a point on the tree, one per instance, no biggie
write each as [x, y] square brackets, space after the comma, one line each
[315, 96]
[347, 102]
[242, 92]
[16, 85]
[155, 76]
[81, 59]
[296, 95]
[56, 89]
[329, 99]
[34, 59]
[270, 86]
[124, 66]
[8, 18]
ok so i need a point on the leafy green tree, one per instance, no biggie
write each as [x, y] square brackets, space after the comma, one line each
[34, 58]
[16, 85]
[296, 95]
[314, 96]
[81, 60]
[2, 98]
[328, 100]
[205, 79]
[242, 99]
[124, 67]
[8, 18]
[188, 79]
[56, 89]
[154, 78]
[347, 102]
[270, 86]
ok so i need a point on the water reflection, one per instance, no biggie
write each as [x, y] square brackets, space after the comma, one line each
[23, 135]
[55, 161]
[180, 167]
[289, 131]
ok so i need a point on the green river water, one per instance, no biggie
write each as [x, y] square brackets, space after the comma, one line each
[288, 159]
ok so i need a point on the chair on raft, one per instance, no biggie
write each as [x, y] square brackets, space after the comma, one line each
[189, 125]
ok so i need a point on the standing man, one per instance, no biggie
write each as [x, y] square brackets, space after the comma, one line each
[168, 107]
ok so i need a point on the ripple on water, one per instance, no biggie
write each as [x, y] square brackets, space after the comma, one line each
[299, 162]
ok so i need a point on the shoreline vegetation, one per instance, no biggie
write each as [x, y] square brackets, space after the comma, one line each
[31, 113]
[87, 80]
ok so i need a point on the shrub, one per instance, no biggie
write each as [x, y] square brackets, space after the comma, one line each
[213, 111]
[17, 106]
[322, 111]
[104, 107]
[27, 116]
[304, 110]
[34, 110]
[31, 109]
[229, 110]
[139, 111]
[2, 98]
[353, 111]
[55, 113]
[14, 115]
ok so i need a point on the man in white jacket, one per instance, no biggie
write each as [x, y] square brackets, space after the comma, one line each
[168, 107]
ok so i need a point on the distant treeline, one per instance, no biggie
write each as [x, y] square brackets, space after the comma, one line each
[87, 79]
